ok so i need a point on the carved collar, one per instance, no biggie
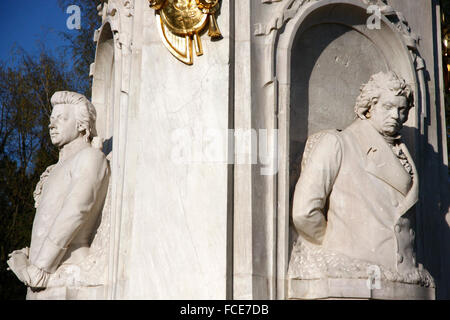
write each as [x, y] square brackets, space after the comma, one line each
[72, 148]
[379, 157]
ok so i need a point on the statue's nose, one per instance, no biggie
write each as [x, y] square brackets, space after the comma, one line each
[394, 113]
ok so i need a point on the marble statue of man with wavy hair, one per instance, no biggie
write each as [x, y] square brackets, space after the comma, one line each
[68, 198]
[353, 205]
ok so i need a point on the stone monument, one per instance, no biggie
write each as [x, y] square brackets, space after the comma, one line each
[69, 198]
[204, 108]
[352, 205]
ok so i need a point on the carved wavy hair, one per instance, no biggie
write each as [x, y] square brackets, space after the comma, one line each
[382, 81]
[85, 111]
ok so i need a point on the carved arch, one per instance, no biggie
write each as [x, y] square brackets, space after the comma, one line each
[104, 76]
[394, 40]
[110, 95]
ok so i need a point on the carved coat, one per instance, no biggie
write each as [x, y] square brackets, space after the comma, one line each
[354, 197]
[69, 201]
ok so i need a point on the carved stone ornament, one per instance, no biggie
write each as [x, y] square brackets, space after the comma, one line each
[180, 23]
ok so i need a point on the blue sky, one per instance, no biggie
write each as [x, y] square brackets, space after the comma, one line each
[25, 22]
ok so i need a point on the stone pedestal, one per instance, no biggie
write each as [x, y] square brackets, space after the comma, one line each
[356, 289]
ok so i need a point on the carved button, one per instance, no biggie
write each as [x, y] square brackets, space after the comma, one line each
[397, 228]
[395, 203]
[399, 258]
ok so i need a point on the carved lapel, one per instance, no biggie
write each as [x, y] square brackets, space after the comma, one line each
[413, 194]
[380, 160]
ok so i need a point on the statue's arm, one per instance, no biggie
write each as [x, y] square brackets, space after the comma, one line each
[319, 171]
[89, 175]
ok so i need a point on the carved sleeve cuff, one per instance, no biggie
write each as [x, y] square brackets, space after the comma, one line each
[38, 278]
[49, 256]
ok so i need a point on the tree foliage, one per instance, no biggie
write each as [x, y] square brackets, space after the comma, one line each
[25, 148]
[81, 45]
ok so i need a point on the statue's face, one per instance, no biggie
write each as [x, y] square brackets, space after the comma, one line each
[63, 125]
[389, 113]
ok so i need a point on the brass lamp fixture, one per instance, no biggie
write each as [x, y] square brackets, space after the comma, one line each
[180, 23]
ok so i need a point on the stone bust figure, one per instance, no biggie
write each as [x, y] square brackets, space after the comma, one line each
[68, 198]
[353, 205]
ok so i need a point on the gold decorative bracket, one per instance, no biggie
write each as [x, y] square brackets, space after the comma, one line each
[180, 23]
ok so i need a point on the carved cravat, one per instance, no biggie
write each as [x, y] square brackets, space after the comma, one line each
[394, 143]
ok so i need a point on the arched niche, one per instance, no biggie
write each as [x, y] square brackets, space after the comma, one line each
[322, 56]
[103, 87]
[105, 99]
[110, 91]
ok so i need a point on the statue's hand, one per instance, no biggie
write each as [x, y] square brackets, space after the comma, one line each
[18, 263]
[29, 274]
[25, 251]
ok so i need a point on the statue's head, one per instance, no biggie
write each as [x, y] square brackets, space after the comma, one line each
[385, 101]
[73, 116]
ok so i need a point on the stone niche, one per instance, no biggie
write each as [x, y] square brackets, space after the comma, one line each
[332, 54]
[103, 88]
[107, 95]
[324, 54]
[329, 62]
[103, 96]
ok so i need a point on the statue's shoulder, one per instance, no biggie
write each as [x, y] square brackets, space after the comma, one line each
[324, 133]
[90, 156]
[324, 136]
[91, 152]
[328, 140]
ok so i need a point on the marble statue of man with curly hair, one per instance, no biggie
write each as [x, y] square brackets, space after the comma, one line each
[353, 205]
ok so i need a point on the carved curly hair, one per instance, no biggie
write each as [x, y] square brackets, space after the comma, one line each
[382, 81]
[85, 114]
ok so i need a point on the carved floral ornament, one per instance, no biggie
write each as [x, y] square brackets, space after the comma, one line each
[292, 8]
[118, 14]
[180, 23]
